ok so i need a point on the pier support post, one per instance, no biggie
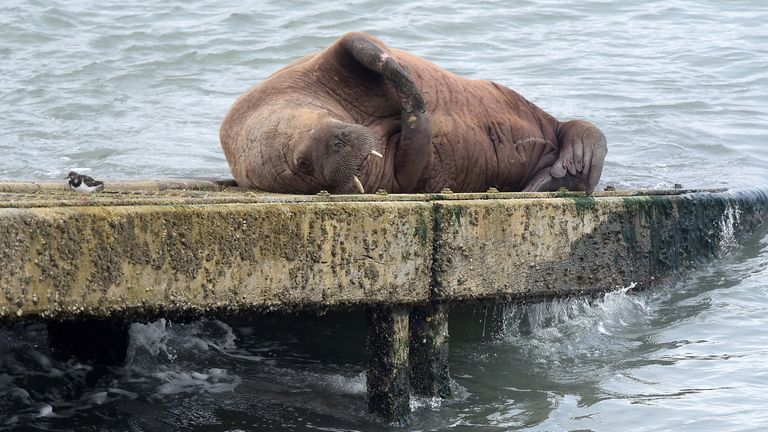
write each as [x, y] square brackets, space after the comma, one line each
[102, 341]
[429, 350]
[388, 374]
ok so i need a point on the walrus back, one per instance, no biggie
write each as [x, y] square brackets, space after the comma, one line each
[484, 134]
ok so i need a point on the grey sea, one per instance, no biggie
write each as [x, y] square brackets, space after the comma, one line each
[137, 89]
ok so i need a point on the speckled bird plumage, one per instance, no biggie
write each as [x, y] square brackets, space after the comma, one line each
[84, 184]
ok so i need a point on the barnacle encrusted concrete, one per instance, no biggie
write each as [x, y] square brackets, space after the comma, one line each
[129, 253]
[575, 244]
[150, 259]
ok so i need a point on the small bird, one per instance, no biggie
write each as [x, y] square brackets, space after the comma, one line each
[84, 184]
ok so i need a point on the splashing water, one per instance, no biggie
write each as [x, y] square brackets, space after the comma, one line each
[156, 346]
[162, 339]
[576, 331]
[728, 224]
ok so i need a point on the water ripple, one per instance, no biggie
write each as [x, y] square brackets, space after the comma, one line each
[138, 89]
[665, 80]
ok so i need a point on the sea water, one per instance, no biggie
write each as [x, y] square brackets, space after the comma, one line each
[138, 89]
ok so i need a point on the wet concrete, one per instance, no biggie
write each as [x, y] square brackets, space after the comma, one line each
[576, 245]
[429, 350]
[128, 253]
[388, 372]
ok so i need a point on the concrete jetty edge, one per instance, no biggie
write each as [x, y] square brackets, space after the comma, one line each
[139, 254]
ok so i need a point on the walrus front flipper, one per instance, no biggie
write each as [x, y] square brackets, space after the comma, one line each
[414, 151]
[578, 167]
[582, 153]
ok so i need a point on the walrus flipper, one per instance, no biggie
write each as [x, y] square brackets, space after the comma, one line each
[414, 151]
[583, 148]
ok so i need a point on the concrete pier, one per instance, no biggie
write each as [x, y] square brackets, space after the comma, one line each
[193, 247]
[429, 350]
[388, 373]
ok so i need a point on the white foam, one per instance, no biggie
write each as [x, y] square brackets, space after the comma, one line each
[163, 351]
[344, 384]
[728, 223]
[161, 341]
[419, 402]
[98, 398]
[45, 411]
[214, 381]
[126, 393]
[151, 338]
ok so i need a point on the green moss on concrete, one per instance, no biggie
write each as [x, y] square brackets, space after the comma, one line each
[458, 212]
[584, 204]
[423, 228]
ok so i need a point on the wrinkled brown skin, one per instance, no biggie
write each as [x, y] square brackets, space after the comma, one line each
[311, 126]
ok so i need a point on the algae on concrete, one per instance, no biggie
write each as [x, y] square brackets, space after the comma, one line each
[126, 260]
[177, 252]
[560, 246]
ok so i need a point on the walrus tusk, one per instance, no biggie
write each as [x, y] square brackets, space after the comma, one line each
[375, 153]
[358, 185]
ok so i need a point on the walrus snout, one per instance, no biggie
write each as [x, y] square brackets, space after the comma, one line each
[356, 180]
[345, 158]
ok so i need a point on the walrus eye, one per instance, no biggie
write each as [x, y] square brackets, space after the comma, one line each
[338, 144]
[304, 165]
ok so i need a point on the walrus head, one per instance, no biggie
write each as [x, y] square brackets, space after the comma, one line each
[332, 154]
[302, 150]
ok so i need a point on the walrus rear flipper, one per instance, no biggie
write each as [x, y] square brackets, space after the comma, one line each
[414, 151]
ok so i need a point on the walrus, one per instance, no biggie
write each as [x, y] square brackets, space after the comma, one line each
[360, 117]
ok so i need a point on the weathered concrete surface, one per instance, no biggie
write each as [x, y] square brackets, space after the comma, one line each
[165, 252]
[147, 260]
[574, 245]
